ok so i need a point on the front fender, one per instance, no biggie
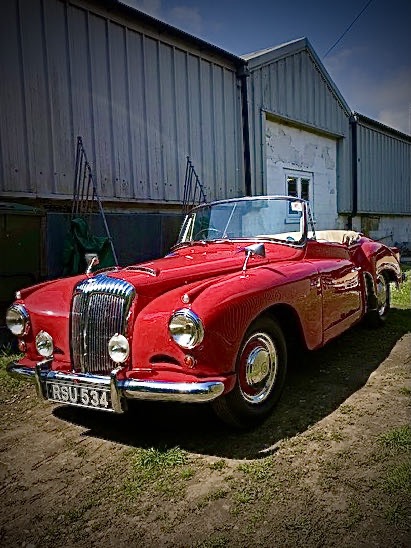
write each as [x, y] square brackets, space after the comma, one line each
[226, 307]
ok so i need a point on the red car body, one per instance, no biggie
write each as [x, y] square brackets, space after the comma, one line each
[234, 303]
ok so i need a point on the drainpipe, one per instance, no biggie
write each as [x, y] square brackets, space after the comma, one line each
[243, 73]
[354, 159]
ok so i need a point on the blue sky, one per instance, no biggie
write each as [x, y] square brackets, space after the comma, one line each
[371, 65]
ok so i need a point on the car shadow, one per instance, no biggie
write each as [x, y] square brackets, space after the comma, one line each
[318, 383]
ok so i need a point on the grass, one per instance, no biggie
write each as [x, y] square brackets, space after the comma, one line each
[397, 439]
[398, 479]
[161, 469]
[8, 384]
[401, 297]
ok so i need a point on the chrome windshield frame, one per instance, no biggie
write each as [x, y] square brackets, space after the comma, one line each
[304, 221]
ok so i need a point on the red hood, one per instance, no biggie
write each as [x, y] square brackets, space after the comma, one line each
[49, 304]
[182, 267]
[196, 263]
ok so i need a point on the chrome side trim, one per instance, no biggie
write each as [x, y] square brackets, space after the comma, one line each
[128, 389]
[143, 270]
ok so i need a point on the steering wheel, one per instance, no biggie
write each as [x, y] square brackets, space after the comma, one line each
[210, 229]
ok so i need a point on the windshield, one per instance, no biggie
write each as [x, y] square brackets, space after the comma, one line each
[266, 218]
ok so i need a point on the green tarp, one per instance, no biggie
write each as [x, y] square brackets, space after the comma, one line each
[80, 241]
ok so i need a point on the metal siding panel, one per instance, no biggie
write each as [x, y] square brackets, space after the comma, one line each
[219, 127]
[384, 173]
[208, 173]
[137, 115]
[60, 108]
[81, 79]
[194, 94]
[233, 181]
[237, 181]
[36, 95]
[119, 111]
[252, 118]
[282, 88]
[298, 86]
[258, 136]
[265, 87]
[14, 167]
[290, 87]
[100, 93]
[182, 117]
[152, 94]
[168, 110]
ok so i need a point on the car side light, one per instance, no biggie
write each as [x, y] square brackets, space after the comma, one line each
[118, 348]
[44, 344]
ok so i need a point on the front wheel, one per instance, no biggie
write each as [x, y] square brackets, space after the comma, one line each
[261, 369]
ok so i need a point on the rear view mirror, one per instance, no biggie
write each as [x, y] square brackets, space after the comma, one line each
[254, 249]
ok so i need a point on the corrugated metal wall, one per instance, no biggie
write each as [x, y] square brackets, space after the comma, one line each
[294, 89]
[141, 102]
[383, 170]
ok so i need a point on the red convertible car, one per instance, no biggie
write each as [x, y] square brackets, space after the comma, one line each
[211, 321]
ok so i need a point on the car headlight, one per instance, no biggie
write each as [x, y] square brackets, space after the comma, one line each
[44, 344]
[17, 320]
[118, 348]
[186, 328]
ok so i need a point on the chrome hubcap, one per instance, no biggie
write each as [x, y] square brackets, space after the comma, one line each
[382, 295]
[258, 368]
[258, 365]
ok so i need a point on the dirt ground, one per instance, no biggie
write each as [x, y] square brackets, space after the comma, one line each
[330, 467]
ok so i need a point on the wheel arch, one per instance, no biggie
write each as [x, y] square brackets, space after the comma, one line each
[289, 321]
[370, 285]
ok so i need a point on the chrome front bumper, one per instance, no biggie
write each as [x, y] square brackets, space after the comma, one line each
[121, 390]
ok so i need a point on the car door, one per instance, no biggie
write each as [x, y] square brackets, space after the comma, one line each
[341, 295]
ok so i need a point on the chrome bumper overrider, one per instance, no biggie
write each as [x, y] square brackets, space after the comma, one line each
[121, 390]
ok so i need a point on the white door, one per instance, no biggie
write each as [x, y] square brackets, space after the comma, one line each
[303, 164]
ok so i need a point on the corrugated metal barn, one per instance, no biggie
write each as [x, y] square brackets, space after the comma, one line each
[143, 96]
[305, 140]
[382, 181]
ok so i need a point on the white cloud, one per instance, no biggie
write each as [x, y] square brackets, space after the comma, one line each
[186, 18]
[183, 17]
[151, 7]
[382, 93]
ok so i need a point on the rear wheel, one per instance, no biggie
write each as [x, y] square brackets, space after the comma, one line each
[261, 369]
[383, 296]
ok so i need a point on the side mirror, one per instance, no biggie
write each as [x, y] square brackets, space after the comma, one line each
[254, 249]
[91, 260]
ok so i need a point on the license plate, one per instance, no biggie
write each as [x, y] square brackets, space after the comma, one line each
[78, 394]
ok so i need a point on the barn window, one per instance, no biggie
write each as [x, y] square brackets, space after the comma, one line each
[300, 185]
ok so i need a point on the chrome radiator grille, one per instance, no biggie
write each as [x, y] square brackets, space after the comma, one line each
[99, 310]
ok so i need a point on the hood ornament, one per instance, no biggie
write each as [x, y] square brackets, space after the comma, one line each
[91, 261]
[254, 249]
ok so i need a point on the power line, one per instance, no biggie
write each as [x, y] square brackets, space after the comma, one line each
[348, 28]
